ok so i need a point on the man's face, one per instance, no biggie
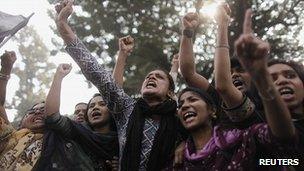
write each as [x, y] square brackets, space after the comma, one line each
[240, 78]
[288, 84]
[80, 111]
[34, 119]
[156, 84]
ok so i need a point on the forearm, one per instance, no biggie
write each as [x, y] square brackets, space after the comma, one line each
[223, 82]
[277, 114]
[52, 105]
[65, 31]
[119, 68]
[187, 65]
[102, 79]
[3, 85]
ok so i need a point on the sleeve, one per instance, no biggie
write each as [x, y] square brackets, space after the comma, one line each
[117, 100]
[273, 144]
[240, 112]
[60, 124]
[5, 129]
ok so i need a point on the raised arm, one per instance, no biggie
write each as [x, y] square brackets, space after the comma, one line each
[252, 53]
[174, 67]
[52, 103]
[186, 58]
[126, 45]
[7, 61]
[117, 100]
[231, 96]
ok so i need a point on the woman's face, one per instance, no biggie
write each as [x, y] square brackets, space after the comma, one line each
[98, 112]
[156, 84]
[34, 119]
[79, 112]
[288, 83]
[193, 111]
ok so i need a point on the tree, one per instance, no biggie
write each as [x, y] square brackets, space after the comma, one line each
[33, 72]
[155, 24]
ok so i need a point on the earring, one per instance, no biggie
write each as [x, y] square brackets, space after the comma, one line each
[213, 115]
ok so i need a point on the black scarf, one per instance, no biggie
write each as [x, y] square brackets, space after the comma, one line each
[97, 146]
[164, 141]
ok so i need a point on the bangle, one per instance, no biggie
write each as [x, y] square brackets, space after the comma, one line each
[222, 46]
[188, 33]
[4, 77]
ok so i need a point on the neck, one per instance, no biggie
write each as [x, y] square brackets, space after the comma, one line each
[297, 112]
[153, 101]
[104, 129]
[201, 137]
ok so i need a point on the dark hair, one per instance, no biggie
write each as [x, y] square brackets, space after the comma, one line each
[297, 67]
[112, 121]
[203, 94]
[27, 112]
[235, 62]
[81, 103]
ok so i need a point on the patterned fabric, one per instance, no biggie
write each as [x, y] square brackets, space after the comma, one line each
[234, 149]
[240, 112]
[118, 102]
[148, 137]
[22, 149]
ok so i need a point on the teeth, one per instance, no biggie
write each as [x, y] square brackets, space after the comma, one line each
[286, 91]
[151, 83]
[237, 83]
[188, 115]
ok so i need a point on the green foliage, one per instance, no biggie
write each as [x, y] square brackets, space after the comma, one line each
[33, 72]
[155, 25]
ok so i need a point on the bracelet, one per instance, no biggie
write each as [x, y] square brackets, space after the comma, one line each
[222, 46]
[188, 33]
[4, 77]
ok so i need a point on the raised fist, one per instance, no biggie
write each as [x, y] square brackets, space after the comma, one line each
[222, 14]
[126, 44]
[64, 10]
[63, 70]
[7, 60]
[190, 21]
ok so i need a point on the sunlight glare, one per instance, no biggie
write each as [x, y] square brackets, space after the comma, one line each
[209, 8]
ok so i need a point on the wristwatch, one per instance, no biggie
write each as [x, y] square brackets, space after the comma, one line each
[188, 33]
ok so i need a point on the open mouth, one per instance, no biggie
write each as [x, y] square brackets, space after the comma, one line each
[286, 92]
[151, 84]
[189, 115]
[238, 83]
[38, 120]
[96, 114]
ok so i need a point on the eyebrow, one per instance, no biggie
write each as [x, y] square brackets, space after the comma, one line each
[283, 71]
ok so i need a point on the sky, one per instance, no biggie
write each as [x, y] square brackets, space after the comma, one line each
[74, 87]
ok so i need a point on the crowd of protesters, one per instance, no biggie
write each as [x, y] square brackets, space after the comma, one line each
[253, 111]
